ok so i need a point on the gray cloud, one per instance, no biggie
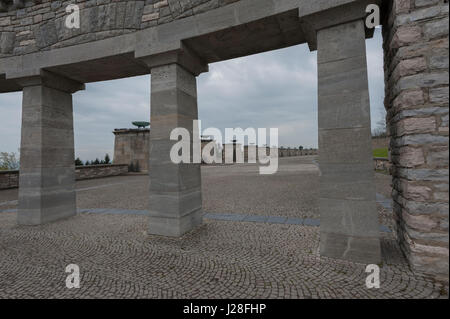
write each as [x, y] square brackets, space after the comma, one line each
[273, 89]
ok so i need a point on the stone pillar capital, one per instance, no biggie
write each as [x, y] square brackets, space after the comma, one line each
[311, 23]
[48, 79]
[182, 56]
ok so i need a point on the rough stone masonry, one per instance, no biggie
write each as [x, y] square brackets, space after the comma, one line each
[416, 39]
[119, 39]
[34, 25]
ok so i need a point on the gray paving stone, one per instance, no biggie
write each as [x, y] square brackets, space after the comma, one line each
[276, 220]
[256, 218]
[294, 221]
[118, 259]
[385, 229]
[8, 211]
[311, 222]
[383, 201]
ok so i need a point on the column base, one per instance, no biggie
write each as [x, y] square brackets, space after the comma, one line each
[175, 227]
[365, 250]
[31, 216]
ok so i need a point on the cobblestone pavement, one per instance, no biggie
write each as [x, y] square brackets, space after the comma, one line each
[221, 259]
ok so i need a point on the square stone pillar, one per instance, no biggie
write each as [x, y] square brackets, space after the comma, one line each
[349, 220]
[175, 202]
[47, 169]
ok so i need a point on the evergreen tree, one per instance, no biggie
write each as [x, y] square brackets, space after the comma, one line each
[107, 159]
[78, 162]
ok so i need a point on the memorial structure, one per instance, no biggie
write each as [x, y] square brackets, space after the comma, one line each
[176, 40]
[131, 147]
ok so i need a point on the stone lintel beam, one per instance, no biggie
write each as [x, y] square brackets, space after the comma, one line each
[183, 56]
[312, 23]
[48, 79]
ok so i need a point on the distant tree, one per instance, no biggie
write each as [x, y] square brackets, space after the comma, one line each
[107, 159]
[9, 161]
[96, 162]
[78, 162]
[300, 148]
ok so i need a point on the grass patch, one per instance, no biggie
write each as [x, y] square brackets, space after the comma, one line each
[382, 171]
[380, 152]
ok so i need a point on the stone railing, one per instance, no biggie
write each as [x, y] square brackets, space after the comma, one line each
[10, 179]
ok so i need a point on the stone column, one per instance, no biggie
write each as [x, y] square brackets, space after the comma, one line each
[47, 169]
[175, 189]
[349, 220]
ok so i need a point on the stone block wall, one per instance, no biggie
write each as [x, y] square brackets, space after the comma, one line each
[382, 164]
[10, 179]
[131, 147]
[37, 25]
[415, 34]
[380, 142]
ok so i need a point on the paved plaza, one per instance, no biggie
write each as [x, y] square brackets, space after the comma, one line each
[259, 240]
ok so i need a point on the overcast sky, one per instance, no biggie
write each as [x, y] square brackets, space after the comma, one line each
[273, 89]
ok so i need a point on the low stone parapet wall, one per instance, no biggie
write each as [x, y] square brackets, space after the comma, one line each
[296, 152]
[98, 171]
[10, 179]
